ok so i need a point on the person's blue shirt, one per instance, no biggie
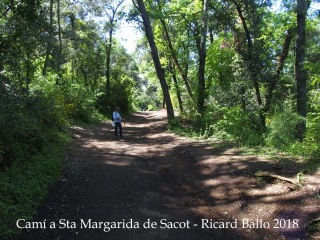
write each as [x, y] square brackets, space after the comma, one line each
[116, 117]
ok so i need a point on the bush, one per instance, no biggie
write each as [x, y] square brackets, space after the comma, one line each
[24, 184]
[240, 125]
[80, 105]
[224, 124]
[27, 125]
[282, 129]
[310, 147]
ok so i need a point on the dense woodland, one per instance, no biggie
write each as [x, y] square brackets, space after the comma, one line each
[246, 71]
[239, 70]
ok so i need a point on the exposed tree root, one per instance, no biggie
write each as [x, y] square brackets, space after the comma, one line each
[275, 176]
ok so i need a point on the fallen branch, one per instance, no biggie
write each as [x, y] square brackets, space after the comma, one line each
[313, 223]
[270, 175]
[317, 220]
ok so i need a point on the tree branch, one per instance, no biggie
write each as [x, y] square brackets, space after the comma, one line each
[281, 59]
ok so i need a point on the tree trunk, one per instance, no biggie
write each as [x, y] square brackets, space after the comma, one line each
[108, 58]
[72, 18]
[49, 42]
[275, 78]
[176, 85]
[85, 75]
[252, 66]
[202, 60]
[300, 71]
[29, 72]
[175, 58]
[59, 60]
[112, 17]
[155, 58]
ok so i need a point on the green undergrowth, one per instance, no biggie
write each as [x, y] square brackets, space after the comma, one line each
[25, 183]
[247, 143]
[185, 130]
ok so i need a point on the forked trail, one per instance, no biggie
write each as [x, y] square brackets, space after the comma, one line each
[154, 185]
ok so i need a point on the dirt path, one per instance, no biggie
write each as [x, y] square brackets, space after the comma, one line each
[154, 175]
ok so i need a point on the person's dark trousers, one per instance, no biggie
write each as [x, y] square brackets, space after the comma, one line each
[118, 125]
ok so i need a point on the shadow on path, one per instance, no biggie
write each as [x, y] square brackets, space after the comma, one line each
[152, 175]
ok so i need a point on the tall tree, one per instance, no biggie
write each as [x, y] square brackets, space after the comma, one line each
[173, 54]
[272, 84]
[176, 85]
[49, 40]
[155, 57]
[300, 71]
[202, 59]
[59, 54]
[251, 57]
[109, 12]
[112, 10]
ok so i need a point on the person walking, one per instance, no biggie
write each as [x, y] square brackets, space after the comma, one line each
[117, 120]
